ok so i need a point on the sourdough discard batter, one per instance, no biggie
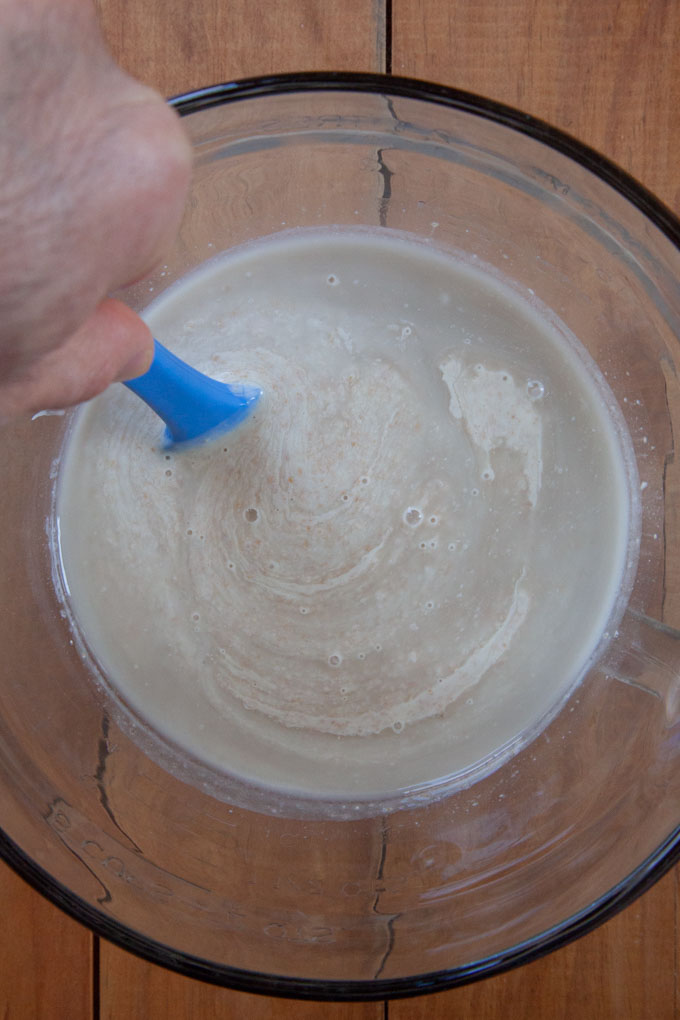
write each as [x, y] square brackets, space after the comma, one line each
[398, 566]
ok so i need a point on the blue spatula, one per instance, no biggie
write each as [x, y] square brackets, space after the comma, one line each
[193, 406]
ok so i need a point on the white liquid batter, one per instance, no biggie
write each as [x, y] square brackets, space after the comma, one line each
[399, 566]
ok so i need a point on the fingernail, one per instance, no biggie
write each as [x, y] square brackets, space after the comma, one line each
[136, 366]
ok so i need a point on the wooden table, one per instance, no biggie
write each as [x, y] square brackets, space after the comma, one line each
[606, 71]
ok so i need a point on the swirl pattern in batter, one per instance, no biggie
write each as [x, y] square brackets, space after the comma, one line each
[351, 593]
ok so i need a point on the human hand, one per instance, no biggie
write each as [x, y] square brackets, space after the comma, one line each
[94, 169]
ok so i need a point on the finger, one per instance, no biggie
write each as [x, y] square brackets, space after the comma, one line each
[113, 344]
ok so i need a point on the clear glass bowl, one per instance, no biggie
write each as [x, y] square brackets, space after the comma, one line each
[559, 837]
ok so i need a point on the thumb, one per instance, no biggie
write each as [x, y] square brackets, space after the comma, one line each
[113, 344]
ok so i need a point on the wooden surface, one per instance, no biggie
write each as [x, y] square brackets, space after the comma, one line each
[608, 73]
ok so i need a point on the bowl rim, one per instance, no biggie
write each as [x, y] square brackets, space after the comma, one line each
[334, 990]
[619, 896]
[660, 214]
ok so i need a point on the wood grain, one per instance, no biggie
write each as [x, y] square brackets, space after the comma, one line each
[624, 970]
[177, 46]
[45, 957]
[606, 72]
[132, 989]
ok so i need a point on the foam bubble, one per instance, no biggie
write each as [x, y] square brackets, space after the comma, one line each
[413, 516]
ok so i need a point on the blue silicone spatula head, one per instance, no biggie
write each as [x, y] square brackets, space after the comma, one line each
[193, 406]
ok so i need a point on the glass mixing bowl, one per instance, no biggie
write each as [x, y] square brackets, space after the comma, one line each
[564, 833]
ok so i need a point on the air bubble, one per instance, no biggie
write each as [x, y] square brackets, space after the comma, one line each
[535, 389]
[304, 610]
[397, 726]
[251, 515]
[334, 660]
[413, 516]
[429, 605]
[168, 473]
[232, 566]
[361, 655]
[332, 280]
[364, 480]
[452, 546]
[488, 474]
[345, 497]
[189, 531]
[378, 648]
[195, 616]
[474, 492]
[434, 519]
